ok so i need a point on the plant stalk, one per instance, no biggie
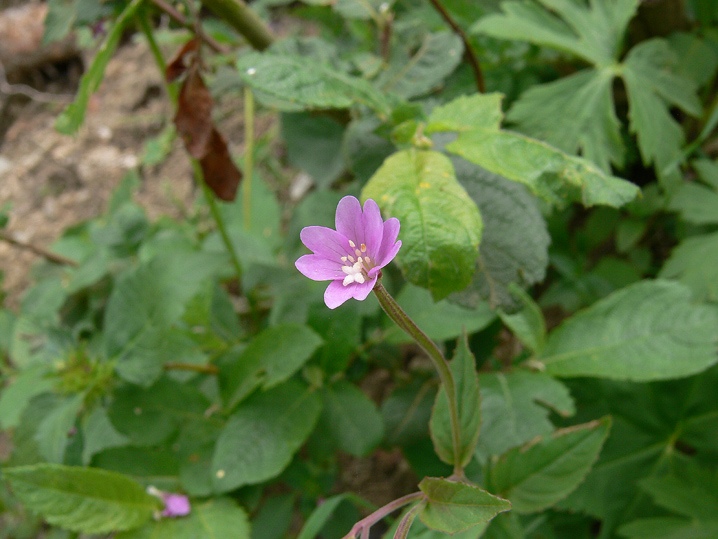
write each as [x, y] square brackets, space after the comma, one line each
[248, 155]
[397, 314]
[244, 20]
[376, 516]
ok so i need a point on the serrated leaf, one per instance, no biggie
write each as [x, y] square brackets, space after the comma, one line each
[548, 172]
[650, 330]
[251, 448]
[454, 507]
[576, 114]
[269, 359]
[515, 240]
[440, 224]
[290, 83]
[219, 518]
[74, 115]
[468, 402]
[84, 500]
[436, 59]
[353, 419]
[536, 477]
[441, 320]
[692, 263]
[515, 408]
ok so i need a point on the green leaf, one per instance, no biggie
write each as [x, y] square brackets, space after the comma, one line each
[440, 224]
[98, 434]
[291, 83]
[515, 408]
[593, 32]
[696, 203]
[314, 145]
[74, 115]
[15, 397]
[514, 243]
[252, 448]
[454, 507]
[536, 477]
[692, 263]
[548, 172]
[649, 75]
[527, 323]
[357, 9]
[53, 432]
[436, 59]
[319, 517]
[84, 500]
[468, 401]
[353, 419]
[219, 518]
[647, 331]
[440, 320]
[576, 114]
[271, 357]
[669, 528]
[406, 412]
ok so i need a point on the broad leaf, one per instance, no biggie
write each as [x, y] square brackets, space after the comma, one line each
[515, 408]
[527, 323]
[53, 432]
[353, 419]
[436, 58]
[220, 518]
[15, 396]
[454, 507]
[84, 500]
[545, 170]
[440, 224]
[74, 115]
[696, 203]
[468, 400]
[98, 434]
[692, 263]
[536, 477]
[291, 83]
[647, 331]
[252, 449]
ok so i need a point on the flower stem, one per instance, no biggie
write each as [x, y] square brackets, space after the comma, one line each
[248, 155]
[244, 20]
[397, 314]
[376, 516]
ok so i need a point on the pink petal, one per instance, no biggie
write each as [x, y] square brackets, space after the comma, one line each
[373, 226]
[336, 294]
[349, 219]
[389, 245]
[361, 291]
[325, 242]
[318, 268]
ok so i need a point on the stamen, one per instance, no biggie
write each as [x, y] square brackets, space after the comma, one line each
[352, 244]
[357, 252]
[344, 259]
[367, 260]
[363, 248]
[351, 259]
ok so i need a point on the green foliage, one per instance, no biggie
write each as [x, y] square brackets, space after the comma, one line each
[82, 499]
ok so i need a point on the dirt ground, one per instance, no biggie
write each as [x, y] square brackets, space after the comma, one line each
[52, 181]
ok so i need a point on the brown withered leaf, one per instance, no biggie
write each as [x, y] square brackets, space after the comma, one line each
[178, 65]
[194, 114]
[220, 173]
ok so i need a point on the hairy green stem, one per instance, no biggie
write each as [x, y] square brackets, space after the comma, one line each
[244, 20]
[196, 168]
[248, 155]
[397, 314]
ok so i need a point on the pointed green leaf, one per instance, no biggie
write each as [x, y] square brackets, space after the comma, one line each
[23, 387]
[454, 507]
[98, 434]
[692, 263]
[536, 477]
[263, 434]
[53, 434]
[291, 83]
[219, 518]
[515, 408]
[650, 330]
[463, 368]
[696, 203]
[466, 113]
[319, 517]
[353, 419]
[85, 500]
[440, 224]
[527, 323]
[548, 172]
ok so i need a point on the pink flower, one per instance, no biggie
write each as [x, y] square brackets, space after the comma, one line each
[352, 255]
[175, 505]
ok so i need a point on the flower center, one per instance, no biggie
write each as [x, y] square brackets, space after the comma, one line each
[356, 266]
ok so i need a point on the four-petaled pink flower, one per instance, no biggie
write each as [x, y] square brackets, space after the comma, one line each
[352, 255]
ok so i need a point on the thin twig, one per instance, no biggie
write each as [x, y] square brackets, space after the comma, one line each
[28, 91]
[181, 19]
[468, 50]
[41, 251]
